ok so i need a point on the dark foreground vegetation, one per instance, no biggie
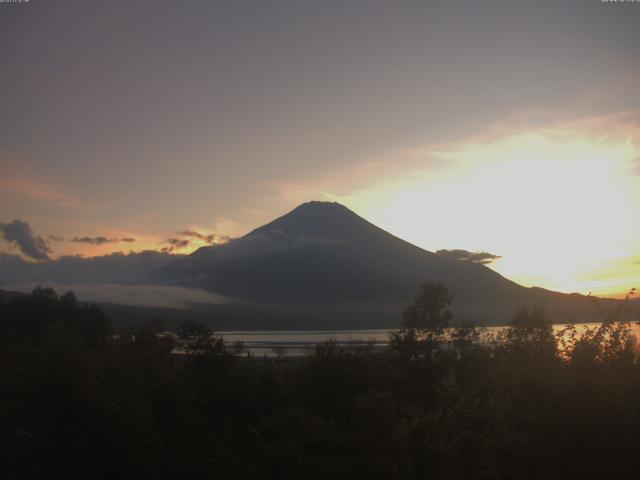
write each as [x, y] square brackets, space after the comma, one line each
[80, 401]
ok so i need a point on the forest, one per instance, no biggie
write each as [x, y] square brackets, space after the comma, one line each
[81, 399]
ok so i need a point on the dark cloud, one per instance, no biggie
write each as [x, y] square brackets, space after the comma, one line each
[476, 257]
[212, 238]
[121, 268]
[91, 240]
[175, 243]
[178, 242]
[20, 234]
[100, 240]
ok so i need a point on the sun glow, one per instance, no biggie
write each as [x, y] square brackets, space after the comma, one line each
[559, 205]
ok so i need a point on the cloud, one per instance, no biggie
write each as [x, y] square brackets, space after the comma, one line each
[134, 295]
[100, 240]
[42, 191]
[20, 233]
[177, 242]
[91, 240]
[483, 258]
[120, 268]
[635, 169]
[211, 238]
[174, 244]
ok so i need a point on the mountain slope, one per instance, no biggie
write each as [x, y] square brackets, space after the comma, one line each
[323, 253]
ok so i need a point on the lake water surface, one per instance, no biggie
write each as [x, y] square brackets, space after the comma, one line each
[296, 343]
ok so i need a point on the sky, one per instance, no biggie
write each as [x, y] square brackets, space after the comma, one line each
[509, 127]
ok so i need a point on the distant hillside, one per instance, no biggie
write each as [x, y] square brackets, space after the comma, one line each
[6, 296]
[121, 268]
[323, 253]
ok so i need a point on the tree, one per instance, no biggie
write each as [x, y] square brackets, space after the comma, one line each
[424, 321]
[35, 317]
[429, 313]
[193, 337]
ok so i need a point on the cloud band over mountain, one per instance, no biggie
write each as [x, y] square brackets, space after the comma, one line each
[211, 238]
[483, 258]
[131, 268]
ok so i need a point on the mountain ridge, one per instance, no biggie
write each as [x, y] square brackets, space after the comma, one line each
[323, 253]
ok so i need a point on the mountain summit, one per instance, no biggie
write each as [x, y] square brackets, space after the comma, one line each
[322, 253]
[322, 220]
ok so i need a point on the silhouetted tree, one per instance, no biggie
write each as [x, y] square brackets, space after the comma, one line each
[457, 407]
[424, 320]
[429, 311]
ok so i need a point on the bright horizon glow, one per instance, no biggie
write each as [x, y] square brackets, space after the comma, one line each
[507, 128]
[558, 205]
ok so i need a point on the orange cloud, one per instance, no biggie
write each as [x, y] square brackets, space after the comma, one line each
[397, 164]
[37, 189]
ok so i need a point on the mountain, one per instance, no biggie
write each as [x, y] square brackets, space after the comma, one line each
[323, 255]
[8, 295]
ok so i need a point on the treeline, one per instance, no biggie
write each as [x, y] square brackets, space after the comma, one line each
[78, 400]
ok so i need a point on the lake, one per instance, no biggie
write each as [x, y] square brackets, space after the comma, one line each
[296, 343]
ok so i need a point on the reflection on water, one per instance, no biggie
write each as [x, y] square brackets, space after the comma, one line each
[296, 343]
